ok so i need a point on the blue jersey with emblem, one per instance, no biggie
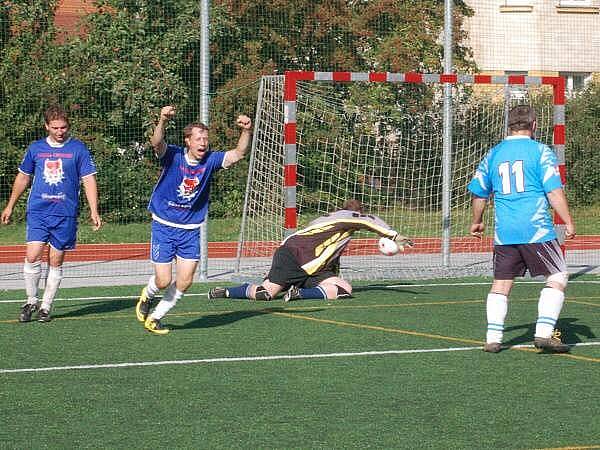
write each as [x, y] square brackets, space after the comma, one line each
[57, 170]
[181, 195]
[518, 172]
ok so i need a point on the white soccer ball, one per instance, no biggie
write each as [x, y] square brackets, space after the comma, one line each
[388, 247]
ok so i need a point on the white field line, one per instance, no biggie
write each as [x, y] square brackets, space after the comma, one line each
[391, 286]
[258, 358]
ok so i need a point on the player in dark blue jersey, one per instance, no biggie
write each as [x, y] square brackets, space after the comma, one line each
[522, 176]
[58, 165]
[179, 203]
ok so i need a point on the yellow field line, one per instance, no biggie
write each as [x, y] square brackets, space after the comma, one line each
[585, 447]
[579, 302]
[420, 334]
[348, 324]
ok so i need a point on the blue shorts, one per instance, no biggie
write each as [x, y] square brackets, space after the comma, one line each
[59, 231]
[168, 242]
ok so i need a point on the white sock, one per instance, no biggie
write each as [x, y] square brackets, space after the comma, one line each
[169, 300]
[549, 307]
[151, 289]
[496, 309]
[52, 283]
[32, 273]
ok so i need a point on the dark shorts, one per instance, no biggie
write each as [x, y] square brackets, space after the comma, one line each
[543, 258]
[285, 271]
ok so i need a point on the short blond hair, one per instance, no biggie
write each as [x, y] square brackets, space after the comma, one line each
[187, 131]
[55, 112]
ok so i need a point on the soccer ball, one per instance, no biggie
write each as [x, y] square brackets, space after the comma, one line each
[388, 247]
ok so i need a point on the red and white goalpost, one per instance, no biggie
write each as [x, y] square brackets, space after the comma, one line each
[313, 129]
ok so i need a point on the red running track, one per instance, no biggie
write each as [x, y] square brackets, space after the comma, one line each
[115, 252]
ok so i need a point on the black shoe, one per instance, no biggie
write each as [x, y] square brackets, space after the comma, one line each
[218, 292]
[44, 316]
[262, 294]
[27, 311]
[553, 344]
[492, 347]
[292, 294]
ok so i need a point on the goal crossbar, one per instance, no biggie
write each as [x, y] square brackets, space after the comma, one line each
[290, 137]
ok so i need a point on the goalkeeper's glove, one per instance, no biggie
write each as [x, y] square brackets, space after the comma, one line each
[403, 241]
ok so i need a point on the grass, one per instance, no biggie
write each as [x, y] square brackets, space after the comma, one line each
[416, 224]
[430, 396]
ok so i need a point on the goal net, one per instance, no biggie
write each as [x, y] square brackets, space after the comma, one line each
[323, 138]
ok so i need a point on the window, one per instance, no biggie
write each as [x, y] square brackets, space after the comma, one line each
[575, 3]
[511, 6]
[575, 81]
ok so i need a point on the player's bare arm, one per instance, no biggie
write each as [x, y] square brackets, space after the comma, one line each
[478, 205]
[558, 201]
[91, 193]
[233, 156]
[158, 137]
[20, 184]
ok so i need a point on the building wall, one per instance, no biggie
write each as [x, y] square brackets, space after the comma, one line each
[69, 12]
[538, 36]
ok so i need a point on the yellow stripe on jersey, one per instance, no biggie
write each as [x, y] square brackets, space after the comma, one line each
[324, 226]
[324, 252]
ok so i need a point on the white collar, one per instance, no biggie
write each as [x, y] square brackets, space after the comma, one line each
[53, 144]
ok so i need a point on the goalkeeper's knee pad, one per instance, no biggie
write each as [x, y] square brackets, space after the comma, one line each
[262, 294]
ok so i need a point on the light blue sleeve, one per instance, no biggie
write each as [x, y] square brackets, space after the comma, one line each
[481, 185]
[549, 173]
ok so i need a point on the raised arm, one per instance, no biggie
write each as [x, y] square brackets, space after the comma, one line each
[91, 193]
[158, 137]
[20, 184]
[558, 201]
[233, 156]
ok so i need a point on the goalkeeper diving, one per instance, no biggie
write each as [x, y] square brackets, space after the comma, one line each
[306, 264]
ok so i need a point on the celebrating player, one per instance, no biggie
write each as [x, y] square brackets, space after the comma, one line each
[522, 175]
[179, 203]
[307, 262]
[58, 164]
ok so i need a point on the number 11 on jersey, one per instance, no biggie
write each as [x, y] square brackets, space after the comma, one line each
[504, 170]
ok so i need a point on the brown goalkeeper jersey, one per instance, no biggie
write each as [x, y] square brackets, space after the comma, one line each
[321, 243]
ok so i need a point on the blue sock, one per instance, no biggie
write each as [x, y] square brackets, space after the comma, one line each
[315, 292]
[239, 291]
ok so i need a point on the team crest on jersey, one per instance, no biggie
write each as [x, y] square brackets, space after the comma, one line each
[188, 187]
[53, 171]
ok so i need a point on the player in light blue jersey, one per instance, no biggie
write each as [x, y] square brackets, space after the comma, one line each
[179, 204]
[58, 164]
[522, 176]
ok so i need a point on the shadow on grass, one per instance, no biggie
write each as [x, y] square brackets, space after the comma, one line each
[571, 332]
[103, 307]
[222, 319]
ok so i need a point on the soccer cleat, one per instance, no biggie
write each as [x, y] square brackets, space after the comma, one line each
[142, 307]
[154, 326]
[27, 311]
[492, 347]
[217, 292]
[553, 344]
[44, 315]
[292, 294]
[262, 294]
